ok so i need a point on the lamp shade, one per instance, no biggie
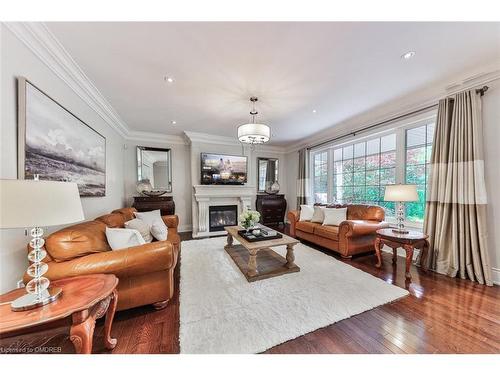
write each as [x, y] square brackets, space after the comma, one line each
[254, 133]
[401, 193]
[30, 203]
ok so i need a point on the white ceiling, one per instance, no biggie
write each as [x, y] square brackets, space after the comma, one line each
[338, 69]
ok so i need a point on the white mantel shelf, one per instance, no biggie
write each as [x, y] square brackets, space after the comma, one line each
[217, 195]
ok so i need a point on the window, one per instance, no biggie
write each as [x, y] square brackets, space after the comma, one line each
[359, 171]
[418, 157]
[320, 178]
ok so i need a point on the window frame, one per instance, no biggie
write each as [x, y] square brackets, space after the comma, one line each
[399, 128]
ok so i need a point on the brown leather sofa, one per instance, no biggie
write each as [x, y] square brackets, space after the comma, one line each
[145, 273]
[355, 235]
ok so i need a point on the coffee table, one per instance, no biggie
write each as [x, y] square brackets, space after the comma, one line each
[256, 260]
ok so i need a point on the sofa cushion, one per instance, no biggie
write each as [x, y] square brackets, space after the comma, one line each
[77, 240]
[365, 212]
[327, 231]
[112, 220]
[306, 226]
[127, 212]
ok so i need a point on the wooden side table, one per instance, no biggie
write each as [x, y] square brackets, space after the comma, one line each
[84, 299]
[408, 241]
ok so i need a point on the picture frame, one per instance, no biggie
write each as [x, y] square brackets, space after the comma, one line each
[57, 145]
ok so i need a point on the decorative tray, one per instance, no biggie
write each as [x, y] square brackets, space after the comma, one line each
[263, 236]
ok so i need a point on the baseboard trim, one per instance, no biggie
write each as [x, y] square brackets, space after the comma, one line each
[184, 228]
[495, 275]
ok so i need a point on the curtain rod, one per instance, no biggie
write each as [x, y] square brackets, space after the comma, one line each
[480, 91]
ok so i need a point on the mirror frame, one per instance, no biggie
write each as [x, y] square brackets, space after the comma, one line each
[258, 170]
[139, 163]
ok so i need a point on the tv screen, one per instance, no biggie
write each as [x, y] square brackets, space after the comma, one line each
[218, 169]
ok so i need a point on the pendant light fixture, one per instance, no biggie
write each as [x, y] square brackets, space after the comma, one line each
[254, 133]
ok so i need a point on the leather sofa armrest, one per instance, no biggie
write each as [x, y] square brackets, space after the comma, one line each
[355, 228]
[171, 221]
[293, 217]
[137, 260]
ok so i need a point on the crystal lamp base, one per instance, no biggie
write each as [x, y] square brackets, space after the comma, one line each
[32, 301]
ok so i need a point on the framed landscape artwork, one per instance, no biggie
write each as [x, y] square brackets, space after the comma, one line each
[57, 145]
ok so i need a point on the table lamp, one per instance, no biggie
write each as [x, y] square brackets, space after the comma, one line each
[33, 203]
[400, 193]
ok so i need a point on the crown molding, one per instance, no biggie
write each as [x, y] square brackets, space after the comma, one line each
[150, 137]
[40, 40]
[419, 99]
[197, 137]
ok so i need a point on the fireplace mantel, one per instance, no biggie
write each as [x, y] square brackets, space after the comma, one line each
[216, 195]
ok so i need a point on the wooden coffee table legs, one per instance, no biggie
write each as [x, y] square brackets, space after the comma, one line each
[252, 263]
[82, 329]
[290, 257]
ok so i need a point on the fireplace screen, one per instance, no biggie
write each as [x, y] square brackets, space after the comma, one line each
[222, 216]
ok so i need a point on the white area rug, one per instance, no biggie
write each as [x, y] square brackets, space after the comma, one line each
[220, 312]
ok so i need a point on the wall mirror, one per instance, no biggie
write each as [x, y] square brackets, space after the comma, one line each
[155, 165]
[267, 173]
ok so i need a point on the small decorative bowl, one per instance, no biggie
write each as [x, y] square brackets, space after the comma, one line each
[256, 232]
[153, 193]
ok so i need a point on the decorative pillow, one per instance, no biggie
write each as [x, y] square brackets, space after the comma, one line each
[306, 212]
[334, 216]
[143, 228]
[153, 218]
[159, 230]
[318, 215]
[149, 216]
[122, 238]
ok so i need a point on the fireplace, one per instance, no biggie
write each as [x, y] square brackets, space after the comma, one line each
[222, 216]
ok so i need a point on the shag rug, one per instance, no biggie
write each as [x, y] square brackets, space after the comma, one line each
[220, 312]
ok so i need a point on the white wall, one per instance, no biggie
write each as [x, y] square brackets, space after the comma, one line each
[18, 60]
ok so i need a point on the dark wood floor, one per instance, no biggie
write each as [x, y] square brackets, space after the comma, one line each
[441, 315]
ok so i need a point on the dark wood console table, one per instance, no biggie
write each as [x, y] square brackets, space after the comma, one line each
[272, 208]
[163, 203]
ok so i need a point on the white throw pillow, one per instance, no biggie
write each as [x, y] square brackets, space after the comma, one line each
[149, 217]
[319, 215]
[306, 212]
[122, 238]
[334, 216]
[159, 230]
[143, 228]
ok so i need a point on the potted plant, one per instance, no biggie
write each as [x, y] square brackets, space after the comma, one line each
[248, 219]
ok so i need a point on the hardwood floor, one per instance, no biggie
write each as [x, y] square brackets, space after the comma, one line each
[441, 315]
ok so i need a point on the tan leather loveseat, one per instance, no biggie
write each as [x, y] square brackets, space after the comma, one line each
[145, 273]
[353, 236]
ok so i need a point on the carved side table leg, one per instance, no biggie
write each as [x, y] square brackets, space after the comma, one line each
[110, 343]
[378, 244]
[82, 332]
[290, 257]
[425, 254]
[394, 255]
[409, 258]
[252, 264]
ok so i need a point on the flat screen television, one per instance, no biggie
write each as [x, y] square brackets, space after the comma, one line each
[219, 169]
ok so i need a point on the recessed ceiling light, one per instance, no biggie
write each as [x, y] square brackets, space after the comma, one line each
[314, 111]
[174, 122]
[169, 79]
[408, 55]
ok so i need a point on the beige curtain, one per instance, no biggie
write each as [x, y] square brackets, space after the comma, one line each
[303, 177]
[455, 215]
